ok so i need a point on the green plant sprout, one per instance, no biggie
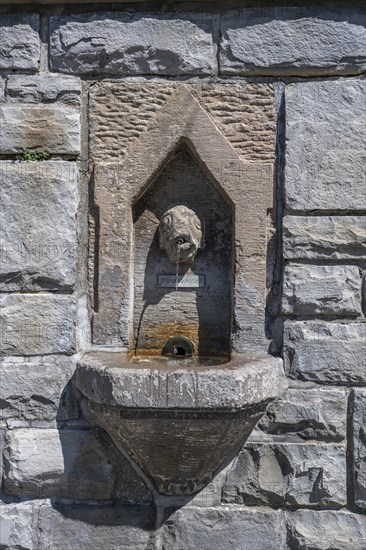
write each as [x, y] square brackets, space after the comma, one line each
[33, 156]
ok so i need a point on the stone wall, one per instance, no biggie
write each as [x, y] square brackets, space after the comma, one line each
[300, 481]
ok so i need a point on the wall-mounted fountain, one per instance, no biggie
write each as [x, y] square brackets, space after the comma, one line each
[179, 293]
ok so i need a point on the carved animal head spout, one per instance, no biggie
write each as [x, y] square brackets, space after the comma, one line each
[181, 234]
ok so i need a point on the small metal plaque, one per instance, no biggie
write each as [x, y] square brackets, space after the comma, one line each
[182, 281]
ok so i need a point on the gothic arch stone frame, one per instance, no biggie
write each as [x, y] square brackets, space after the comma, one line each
[248, 186]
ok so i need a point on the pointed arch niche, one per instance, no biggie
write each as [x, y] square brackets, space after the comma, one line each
[181, 158]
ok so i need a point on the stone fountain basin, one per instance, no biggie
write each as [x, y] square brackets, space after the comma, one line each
[181, 420]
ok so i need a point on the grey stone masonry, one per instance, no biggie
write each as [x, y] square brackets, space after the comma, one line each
[327, 353]
[293, 41]
[126, 44]
[46, 463]
[325, 530]
[326, 145]
[35, 324]
[310, 474]
[46, 88]
[16, 530]
[51, 128]
[359, 446]
[19, 41]
[95, 527]
[324, 237]
[305, 414]
[37, 389]
[224, 528]
[332, 290]
[72, 464]
[38, 233]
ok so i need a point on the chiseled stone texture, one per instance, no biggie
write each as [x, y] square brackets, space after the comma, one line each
[288, 474]
[224, 528]
[332, 290]
[95, 528]
[19, 41]
[293, 41]
[359, 446]
[51, 128]
[326, 145]
[127, 44]
[38, 233]
[324, 237]
[122, 112]
[305, 414]
[327, 353]
[37, 389]
[36, 324]
[45, 463]
[44, 88]
[325, 530]
[16, 529]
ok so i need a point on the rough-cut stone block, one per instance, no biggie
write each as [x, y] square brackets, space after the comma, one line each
[325, 530]
[113, 43]
[44, 463]
[329, 353]
[224, 528]
[37, 389]
[323, 237]
[47, 88]
[54, 129]
[36, 324]
[244, 113]
[38, 207]
[326, 145]
[333, 290]
[293, 41]
[359, 447]
[95, 528]
[288, 474]
[16, 529]
[319, 413]
[19, 41]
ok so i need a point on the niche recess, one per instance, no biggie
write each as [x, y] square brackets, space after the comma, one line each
[175, 153]
[202, 313]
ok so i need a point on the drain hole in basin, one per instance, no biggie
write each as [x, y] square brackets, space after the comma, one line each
[178, 347]
[179, 351]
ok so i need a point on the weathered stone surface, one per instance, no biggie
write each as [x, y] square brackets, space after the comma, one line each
[224, 528]
[19, 41]
[325, 530]
[326, 145]
[329, 353]
[38, 242]
[359, 446]
[309, 290]
[16, 529]
[48, 463]
[54, 129]
[323, 237]
[248, 185]
[37, 389]
[94, 527]
[288, 474]
[36, 324]
[46, 88]
[112, 43]
[244, 113]
[319, 413]
[247, 379]
[293, 41]
[215, 405]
